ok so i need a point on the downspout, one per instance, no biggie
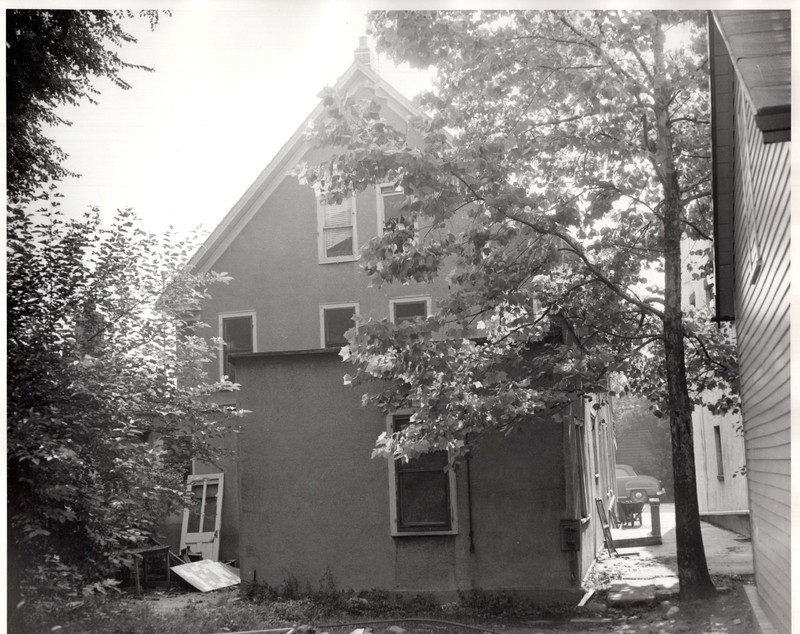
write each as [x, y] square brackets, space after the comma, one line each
[469, 505]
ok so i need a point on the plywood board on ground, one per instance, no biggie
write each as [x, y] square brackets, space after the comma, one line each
[207, 575]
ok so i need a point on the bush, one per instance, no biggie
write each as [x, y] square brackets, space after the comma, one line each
[480, 603]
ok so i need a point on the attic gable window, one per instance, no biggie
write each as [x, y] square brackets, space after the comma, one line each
[390, 200]
[337, 231]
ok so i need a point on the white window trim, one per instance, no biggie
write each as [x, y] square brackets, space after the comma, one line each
[221, 318]
[393, 519]
[411, 299]
[323, 308]
[379, 204]
[321, 235]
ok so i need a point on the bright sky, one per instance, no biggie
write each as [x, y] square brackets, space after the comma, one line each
[230, 87]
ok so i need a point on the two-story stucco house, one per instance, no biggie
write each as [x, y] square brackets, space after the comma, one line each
[302, 495]
[751, 120]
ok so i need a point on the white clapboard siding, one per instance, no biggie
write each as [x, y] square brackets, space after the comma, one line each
[762, 213]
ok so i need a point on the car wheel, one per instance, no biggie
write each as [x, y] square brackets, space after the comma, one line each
[639, 496]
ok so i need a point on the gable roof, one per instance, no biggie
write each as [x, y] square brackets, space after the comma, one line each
[286, 158]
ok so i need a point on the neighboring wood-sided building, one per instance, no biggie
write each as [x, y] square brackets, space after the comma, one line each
[719, 455]
[751, 120]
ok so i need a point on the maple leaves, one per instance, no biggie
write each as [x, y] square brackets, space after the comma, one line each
[54, 58]
[542, 184]
[565, 158]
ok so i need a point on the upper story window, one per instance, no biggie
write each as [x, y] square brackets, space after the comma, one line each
[335, 320]
[337, 231]
[422, 493]
[238, 332]
[407, 308]
[390, 199]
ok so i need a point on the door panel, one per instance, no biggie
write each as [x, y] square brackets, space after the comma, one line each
[201, 521]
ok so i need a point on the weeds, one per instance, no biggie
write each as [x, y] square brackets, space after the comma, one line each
[260, 606]
[487, 604]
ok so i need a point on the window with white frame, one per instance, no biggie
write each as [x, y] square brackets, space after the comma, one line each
[238, 332]
[422, 491]
[390, 201]
[407, 308]
[335, 320]
[337, 231]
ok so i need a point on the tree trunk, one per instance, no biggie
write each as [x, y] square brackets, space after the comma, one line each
[695, 582]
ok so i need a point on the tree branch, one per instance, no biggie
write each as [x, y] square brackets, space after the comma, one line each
[577, 249]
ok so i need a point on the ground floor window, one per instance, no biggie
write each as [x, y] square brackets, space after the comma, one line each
[422, 491]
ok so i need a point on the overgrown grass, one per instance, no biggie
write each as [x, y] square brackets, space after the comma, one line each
[259, 606]
[120, 615]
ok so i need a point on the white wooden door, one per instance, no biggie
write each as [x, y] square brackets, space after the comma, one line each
[201, 521]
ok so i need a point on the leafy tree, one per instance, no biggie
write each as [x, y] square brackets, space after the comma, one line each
[565, 157]
[104, 410]
[54, 58]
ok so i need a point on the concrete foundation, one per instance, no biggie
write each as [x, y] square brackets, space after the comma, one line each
[736, 521]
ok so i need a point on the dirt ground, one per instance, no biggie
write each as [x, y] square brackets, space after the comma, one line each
[227, 610]
[728, 613]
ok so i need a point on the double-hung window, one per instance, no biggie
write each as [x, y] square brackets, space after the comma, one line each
[238, 332]
[337, 231]
[422, 491]
[335, 320]
[390, 201]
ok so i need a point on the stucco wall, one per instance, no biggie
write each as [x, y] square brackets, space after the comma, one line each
[276, 272]
[276, 275]
[314, 500]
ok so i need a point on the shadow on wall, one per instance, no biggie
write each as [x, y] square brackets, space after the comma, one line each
[643, 441]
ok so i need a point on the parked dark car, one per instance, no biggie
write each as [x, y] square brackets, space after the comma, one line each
[634, 487]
